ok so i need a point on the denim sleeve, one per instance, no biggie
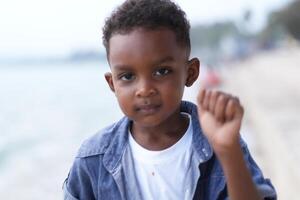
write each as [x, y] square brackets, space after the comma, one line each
[263, 185]
[79, 184]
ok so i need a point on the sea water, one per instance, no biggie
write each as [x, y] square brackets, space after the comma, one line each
[46, 111]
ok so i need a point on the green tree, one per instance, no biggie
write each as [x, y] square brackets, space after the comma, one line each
[289, 17]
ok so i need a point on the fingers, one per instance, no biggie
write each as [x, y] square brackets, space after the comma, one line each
[201, 97]
[200, 100]
[230, 110]
[220, 107]
[213, 100]
[206, 100]
[223, 106]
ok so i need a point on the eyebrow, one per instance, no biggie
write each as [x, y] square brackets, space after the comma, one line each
[122, 67]
[158, 62]
[164, 60]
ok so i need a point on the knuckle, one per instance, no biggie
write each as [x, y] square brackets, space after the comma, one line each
[236, 99]
[213, 94]
[242, 108]
[209, 93]
[221, 98]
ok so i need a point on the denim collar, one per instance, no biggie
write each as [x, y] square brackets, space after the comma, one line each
[113, 140]
[200, 142]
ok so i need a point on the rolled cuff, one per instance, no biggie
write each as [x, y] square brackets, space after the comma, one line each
[267, 191]
[67, 194]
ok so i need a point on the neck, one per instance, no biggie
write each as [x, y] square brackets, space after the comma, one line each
[162, 136]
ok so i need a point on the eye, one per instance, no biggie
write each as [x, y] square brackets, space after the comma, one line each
[126, 77]
[162, 72]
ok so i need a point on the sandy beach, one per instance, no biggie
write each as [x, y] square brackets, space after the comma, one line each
[268, 86]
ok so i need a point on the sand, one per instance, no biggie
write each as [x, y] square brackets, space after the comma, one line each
[268, 85]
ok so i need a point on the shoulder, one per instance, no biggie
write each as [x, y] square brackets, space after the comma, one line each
[99, 142]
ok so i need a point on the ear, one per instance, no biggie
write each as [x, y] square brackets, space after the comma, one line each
[109, 80]
[192, 71]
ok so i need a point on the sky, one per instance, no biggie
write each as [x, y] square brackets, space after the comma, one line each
[56, 27]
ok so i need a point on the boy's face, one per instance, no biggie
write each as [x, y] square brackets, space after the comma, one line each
[149, 71]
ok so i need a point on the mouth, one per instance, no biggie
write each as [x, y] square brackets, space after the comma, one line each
[148, 109]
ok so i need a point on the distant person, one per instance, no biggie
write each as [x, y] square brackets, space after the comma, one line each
[163, 148]
[211, 79]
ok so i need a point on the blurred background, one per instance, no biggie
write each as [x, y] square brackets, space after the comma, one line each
[53, 94]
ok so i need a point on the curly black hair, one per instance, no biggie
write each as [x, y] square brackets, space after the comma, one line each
[148, 14]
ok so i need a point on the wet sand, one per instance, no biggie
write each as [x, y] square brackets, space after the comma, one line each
[268, 85]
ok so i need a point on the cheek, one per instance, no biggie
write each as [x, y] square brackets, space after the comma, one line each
[177, 85]
[173, 91]
[124, 96]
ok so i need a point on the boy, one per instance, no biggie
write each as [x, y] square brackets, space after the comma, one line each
[159, 150]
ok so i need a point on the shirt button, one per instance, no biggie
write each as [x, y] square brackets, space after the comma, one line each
[205, 153]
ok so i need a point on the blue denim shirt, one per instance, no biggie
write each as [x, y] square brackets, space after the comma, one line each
[98, 169]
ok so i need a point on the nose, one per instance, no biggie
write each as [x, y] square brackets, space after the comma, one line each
[145, 88]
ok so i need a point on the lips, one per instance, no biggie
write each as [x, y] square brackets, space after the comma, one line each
[148, 109]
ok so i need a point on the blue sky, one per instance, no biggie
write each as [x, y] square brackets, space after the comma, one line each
[41, 27]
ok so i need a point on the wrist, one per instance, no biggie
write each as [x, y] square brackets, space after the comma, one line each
[228, 151]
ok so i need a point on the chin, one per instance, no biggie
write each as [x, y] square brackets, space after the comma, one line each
[148, 123]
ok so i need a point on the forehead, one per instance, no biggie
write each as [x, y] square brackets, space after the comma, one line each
[146, 45]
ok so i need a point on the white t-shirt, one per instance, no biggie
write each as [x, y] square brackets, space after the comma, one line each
[166, 174]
